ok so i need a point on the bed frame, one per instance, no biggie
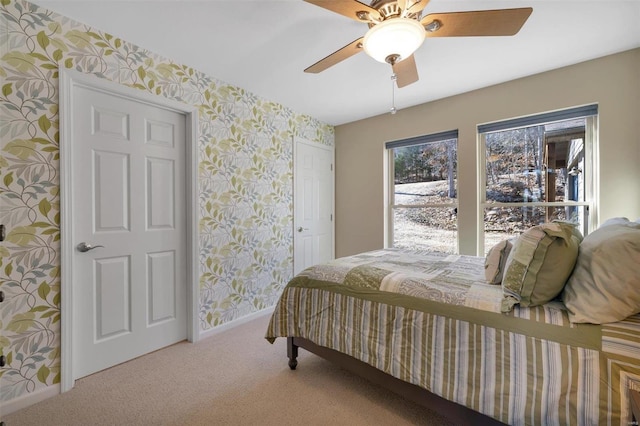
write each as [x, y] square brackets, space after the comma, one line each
[451, 410]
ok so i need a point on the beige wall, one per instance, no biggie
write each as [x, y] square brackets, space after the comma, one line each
[613, 82]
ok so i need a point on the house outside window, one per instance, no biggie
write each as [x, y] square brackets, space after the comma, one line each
[421, 197]
[535, 170]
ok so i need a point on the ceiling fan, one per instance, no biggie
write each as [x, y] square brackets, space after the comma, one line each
[397, 29]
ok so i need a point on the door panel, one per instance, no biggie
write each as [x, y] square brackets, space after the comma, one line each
[308, 198]
[111, 191]
[162, 286]
[112, 290]
[160, 191]
[111, 124]
[160, 133]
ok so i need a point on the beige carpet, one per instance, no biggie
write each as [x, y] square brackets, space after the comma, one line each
[233, 378]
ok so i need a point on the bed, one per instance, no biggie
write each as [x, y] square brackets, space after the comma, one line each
[441, 331]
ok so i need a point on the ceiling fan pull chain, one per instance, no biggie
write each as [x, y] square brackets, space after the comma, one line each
[393, 93]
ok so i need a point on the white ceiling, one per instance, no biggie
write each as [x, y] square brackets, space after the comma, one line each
[263, 46]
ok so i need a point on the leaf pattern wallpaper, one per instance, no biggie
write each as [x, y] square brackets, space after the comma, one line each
[245, 177]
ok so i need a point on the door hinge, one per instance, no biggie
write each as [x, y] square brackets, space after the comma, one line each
[331, 217]
[332, 167]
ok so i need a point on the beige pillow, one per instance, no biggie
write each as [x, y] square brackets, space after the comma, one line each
[496, 260]
[540, 262]
[605, 284]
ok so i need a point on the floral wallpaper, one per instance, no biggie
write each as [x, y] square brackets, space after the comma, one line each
[245, 178]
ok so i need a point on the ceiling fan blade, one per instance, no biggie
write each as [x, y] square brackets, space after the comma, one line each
[406, 71]
[501, 22]
[350, 8]
[337, 56]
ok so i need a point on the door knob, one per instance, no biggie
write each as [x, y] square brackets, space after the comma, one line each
[84, 247]
[300, 229]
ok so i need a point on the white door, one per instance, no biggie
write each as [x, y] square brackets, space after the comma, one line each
[313, 205]
[129, 295]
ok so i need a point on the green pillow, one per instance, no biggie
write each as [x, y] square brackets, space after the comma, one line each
[539, 264]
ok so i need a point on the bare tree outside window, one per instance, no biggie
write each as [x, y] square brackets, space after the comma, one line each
[424, 206]
[534, 175]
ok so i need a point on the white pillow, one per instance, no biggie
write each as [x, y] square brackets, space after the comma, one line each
[605, 283]
[615, 221]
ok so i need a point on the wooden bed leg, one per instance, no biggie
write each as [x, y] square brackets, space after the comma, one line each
[292, 353]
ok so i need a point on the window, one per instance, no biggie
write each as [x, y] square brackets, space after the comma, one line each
[422, 203]
[537, 169]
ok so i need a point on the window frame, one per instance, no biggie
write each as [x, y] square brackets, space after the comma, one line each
[590, 172]
[389, 176]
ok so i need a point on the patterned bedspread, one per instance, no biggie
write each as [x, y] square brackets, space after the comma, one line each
[452, 279]
[431, 320]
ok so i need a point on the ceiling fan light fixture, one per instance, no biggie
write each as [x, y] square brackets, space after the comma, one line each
[395, 36]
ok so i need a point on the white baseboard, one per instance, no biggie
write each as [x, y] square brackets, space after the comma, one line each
[8, 407]
[236, 322]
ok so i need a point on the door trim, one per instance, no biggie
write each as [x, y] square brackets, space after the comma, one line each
[331, 149]
[69, 80]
